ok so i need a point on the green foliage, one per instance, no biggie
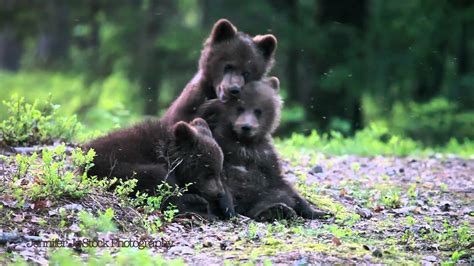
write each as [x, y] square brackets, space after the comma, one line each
[371, 141]
[101, 105]
[28, 124]
[52, 175]
[436, 121]
[91, 225]
[125, 256]
[151, 204]
[338, 231]
[454, 258]
[65, 257]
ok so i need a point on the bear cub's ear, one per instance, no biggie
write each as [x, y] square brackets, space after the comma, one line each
[222, 30]
[274, 83]
[183, 132]
[267, 45]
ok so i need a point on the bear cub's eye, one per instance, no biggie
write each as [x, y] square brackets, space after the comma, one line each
[240, 109]
[246, 75]
[228, 68]
[258, 112]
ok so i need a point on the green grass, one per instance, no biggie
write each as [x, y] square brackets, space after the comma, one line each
[371, 141]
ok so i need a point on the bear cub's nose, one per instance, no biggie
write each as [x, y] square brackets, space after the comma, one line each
[234, 90]
[246, 128]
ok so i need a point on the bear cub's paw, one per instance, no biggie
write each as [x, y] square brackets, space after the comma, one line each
[277, 211]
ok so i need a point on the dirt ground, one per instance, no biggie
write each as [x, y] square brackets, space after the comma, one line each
[387, 210]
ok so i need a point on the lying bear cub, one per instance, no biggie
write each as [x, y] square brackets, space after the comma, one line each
[185, 153]
[243, 126]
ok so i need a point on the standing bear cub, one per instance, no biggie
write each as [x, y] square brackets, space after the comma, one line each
[229, 60]
[243, 127]
[151, 152]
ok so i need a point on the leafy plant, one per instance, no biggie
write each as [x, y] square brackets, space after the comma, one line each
[151, 204]
[437, 121]
[28, 124]
[54, 178]
[376, 139]
[90, 224]
[124, 256]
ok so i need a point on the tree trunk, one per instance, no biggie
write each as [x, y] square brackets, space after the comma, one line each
[337, 102]
[11, 49]
[55, 36]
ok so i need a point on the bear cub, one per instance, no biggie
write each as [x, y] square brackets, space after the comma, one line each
[229, 60]
[253, 175]
[179, 155]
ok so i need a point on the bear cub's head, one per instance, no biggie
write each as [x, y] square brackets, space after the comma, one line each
[198, 159]
[230, 59]
[250, 118]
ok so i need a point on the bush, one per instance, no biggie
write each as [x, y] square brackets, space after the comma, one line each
[28, 124]
[53, 174]
[434, 122]
[374, 140]
[101, 105]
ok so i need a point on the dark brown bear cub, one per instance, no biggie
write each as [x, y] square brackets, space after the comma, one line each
[243, 128]
[230, 59]
[152, 153]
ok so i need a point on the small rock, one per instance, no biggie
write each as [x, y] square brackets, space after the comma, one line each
[377, 253]
[317, 169]
[378, 208]
[207, 243]
[301, 262]
[445, 206]
[336, 241]
[364, 212]
[73, 206]
[74, 228]
[292, 178]
[226, 245]
[401, 170]
[405, 210]
[429, 258]
[180, 250]
[391, 172]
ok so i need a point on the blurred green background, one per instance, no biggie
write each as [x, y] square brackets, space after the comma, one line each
[342, 64]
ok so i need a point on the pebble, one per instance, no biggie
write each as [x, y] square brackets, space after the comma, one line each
[445, 206]
[364, 212]
[207, 243]
[429, 258]
[180, 250]
[317, 169]
[226, 245]
[377, 253]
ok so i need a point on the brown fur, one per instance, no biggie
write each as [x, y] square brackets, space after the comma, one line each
[229, 60]
[253, 175]
[152, 153]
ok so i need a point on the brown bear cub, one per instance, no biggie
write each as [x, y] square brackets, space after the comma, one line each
[230, 59]
[243, 127]
[152, 153]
